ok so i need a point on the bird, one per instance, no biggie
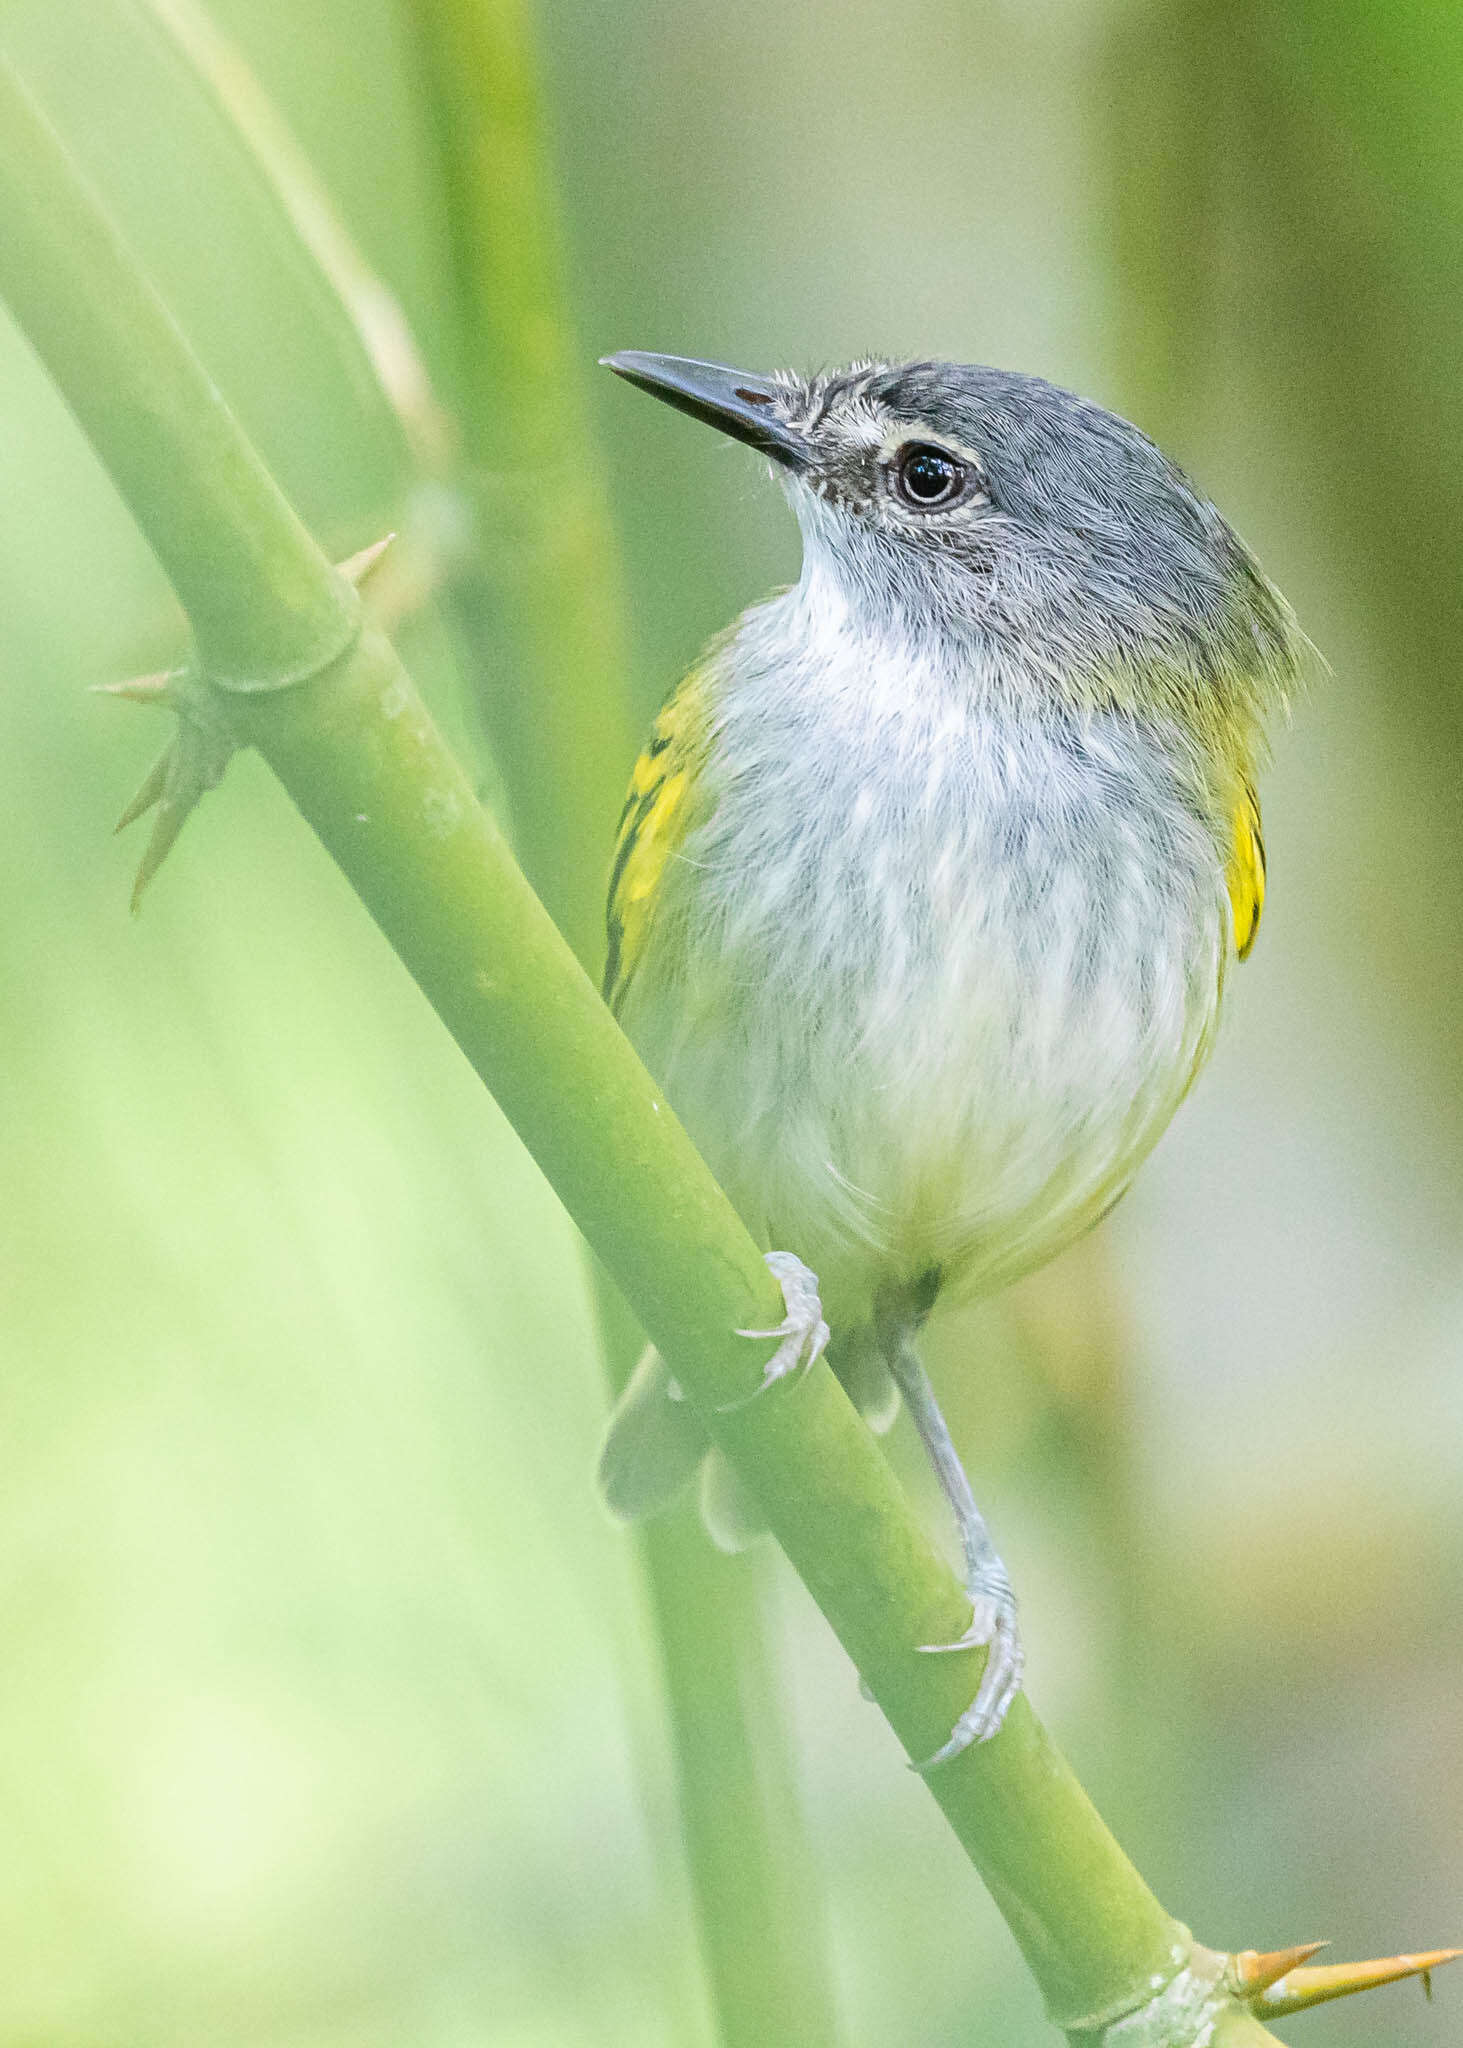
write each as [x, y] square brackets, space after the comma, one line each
[931, 876]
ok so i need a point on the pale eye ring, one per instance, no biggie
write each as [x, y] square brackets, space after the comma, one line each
[929, 479]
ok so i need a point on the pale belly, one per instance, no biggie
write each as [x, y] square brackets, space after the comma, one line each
[943, 1033]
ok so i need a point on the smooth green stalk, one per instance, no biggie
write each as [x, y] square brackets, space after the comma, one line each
[353, 303]
[140, 392]
[549, 556]
[755, 1885]
[750, 1866]
[357, 751]
[1236, 2028]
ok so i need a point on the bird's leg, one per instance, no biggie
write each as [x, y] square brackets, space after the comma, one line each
[803, 1331]
[993, 1604]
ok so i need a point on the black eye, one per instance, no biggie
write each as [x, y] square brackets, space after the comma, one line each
[927, 477]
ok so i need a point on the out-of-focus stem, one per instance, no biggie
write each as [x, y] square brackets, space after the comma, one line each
[355, 301]
[548, 563]
[747, 1856]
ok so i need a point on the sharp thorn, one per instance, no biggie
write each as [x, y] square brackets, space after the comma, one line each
[153, 689]
[1253, 1972]
[1302, 1988]
[356, 568]
[150, 792]
[165, 829]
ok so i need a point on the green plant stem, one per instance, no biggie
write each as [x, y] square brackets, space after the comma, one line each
[750, 1866]
[1236, 2028]
[355, 748]
[142, 395]
[352, 302]
[549, 560]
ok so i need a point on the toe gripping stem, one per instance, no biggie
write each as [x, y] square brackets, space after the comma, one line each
[803, 1334]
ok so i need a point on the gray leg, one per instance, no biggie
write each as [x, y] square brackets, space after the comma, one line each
[993, 1604]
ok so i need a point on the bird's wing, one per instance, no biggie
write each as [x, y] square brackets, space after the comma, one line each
[653, 825]
[1246, 872]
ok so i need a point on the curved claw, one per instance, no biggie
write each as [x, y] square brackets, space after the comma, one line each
[992, 1629]
[803, 1332]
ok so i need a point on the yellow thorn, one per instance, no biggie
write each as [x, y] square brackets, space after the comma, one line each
[1253, 1972]
[151, 689]
[356, 568]
[1303, 1988]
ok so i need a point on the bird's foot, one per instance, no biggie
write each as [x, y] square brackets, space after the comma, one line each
[803, 1333]
[993, 1628]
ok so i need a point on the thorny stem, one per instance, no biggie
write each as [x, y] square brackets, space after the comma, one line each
[355, 748]
[354, 303]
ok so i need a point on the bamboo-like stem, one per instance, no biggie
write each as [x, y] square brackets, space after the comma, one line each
[354, 303]
[355, 748]
[1236, 2027]
[229, 540]
[548, 568]
[749, 1863]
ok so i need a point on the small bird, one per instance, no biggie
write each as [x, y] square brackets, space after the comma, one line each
[931, 873]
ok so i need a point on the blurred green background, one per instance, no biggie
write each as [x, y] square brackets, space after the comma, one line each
[329, 1713]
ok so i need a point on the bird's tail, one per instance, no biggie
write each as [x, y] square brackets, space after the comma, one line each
[655, 1442]
[653, 1445]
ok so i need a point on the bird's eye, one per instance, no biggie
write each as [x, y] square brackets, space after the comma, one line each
[928, 478]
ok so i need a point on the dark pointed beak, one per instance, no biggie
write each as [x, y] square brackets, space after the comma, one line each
[748, 408]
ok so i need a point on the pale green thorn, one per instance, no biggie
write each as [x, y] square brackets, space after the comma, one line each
[173, 809]
[192, 764]
[356, 568]
[200, 750]
[150, 793]
[153, 689]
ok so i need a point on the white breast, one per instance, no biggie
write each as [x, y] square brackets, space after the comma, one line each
[936, 971]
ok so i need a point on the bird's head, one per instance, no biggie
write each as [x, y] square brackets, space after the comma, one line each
[1000, 514]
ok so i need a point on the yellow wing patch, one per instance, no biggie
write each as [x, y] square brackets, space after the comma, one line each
[1246, 872]
[653, 825]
